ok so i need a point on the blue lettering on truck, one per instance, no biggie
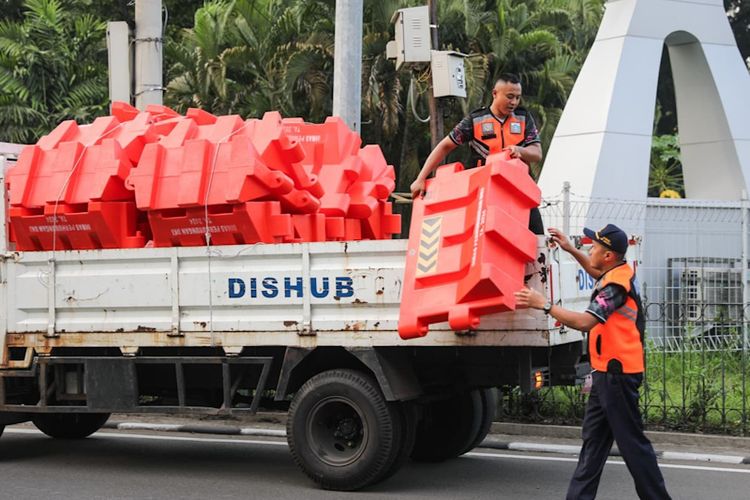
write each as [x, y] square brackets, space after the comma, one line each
[270, 287]
[585, 281]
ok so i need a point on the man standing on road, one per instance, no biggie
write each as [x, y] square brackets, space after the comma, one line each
[501, 126]
[615, 322]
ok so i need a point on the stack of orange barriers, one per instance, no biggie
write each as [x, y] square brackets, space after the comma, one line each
[468, 245]
[157, 175]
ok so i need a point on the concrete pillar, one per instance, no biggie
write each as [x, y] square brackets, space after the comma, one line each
[347, 63]
[148, 53]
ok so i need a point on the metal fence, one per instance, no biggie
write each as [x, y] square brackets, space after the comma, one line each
[692, 263]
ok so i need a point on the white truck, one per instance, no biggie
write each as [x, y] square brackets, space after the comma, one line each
[221, 329]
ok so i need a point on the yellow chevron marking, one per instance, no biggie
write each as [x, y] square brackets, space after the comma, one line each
[429, 246]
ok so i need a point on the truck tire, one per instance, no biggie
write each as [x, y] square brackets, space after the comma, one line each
[448, 427]
[2, 428]
[408, 413]
[341, 431]
[70, 425]
[489, 408]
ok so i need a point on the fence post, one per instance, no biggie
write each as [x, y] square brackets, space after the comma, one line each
[745, 301]
[745, 273]
[566, 208]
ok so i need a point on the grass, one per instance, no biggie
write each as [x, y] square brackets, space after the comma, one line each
[693, 391]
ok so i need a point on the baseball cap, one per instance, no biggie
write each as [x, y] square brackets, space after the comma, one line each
[610, 236]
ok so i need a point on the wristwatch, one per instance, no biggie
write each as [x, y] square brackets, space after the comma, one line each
[547, 307]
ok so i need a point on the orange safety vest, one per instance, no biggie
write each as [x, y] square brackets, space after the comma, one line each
[496, 135]
[620, 338]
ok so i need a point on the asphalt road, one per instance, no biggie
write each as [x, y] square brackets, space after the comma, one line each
[121, 465]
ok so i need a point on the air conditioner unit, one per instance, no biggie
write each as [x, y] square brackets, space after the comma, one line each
[710, 294]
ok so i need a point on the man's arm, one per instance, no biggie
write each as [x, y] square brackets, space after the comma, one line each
[431, 163]
[581, 321]
[582, 257]
[529, 154]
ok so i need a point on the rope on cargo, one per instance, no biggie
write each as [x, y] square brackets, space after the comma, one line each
[208, 229]
[44, 277]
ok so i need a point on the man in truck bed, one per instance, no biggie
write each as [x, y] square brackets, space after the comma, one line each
[502, 125]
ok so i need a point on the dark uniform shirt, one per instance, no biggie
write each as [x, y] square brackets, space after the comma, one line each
[463, 133]
[607, 301]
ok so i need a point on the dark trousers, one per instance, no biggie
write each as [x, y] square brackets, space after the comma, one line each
[612, 413]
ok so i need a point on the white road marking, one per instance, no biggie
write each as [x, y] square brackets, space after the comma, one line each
[159, 438]
[11, 430]
[615, 462]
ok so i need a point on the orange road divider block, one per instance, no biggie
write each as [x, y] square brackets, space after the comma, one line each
[336, 181]
[69, 174]
[468, 245]
[377, 170]
[282, 152]
[96, 225]
[331, 153]
[237, 224]
[70, 131]
[309, 227]
[376, 182]
[173, 177]
[328, 143]
[382, 224]
[311, 182]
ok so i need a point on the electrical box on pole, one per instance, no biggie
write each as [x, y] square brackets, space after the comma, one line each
[413, 42]
[448, 75]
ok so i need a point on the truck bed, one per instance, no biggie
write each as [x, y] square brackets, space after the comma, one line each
[306, 295]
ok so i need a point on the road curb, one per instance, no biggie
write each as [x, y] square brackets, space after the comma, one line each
[490, 442]
[658, 438]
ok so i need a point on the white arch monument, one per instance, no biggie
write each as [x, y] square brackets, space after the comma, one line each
[602, 144]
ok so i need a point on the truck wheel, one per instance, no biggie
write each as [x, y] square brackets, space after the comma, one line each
[489, 407]
[408, 413]
[70, 425]
[2, 428]
[341, 431]
[448, 427]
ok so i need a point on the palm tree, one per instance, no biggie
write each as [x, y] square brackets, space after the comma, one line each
[252, 56]
[199, 72]
[52, 68]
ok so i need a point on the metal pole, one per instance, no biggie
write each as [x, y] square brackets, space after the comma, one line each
[745, 301]
[148, 53]
[436, 109]
[745, 272]
[566, 207]
[347, 63]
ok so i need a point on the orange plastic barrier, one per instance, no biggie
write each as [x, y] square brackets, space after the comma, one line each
[328, 143]
[237, 224]
[282, 152]
[382, 224]
[468, 244]
[266, 180]
[78, 173]
[114, 224]
[69, 174]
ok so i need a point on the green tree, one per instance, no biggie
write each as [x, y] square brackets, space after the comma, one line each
[52, 68]
[666, 169]
[252, 56]
[738, 12]
[199, 71]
